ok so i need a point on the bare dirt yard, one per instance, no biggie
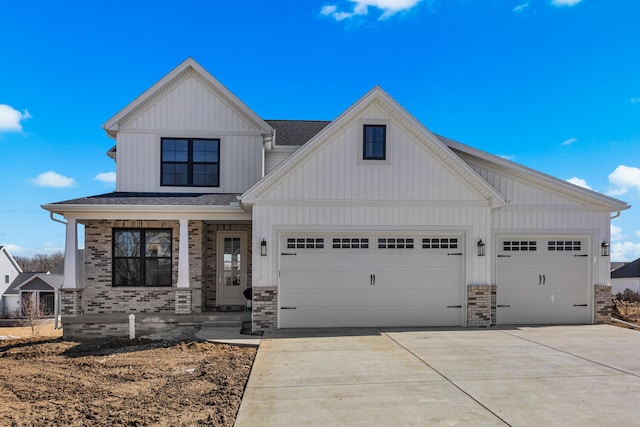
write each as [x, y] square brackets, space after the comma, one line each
[627, 311]
[45, 381]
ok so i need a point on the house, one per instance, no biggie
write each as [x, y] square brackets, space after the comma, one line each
[41, 288]
[367, 220]
[9, 271]
[626, 276]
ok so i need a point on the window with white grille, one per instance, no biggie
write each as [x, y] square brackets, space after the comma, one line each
[519, 246]
[564, 245]
[395, 243]
[305, 243]
[440, 243]
[350, 243]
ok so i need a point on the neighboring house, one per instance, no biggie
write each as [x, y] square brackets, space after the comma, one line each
[40, 287]
[367, 220]
[626, 277]
[9, 271]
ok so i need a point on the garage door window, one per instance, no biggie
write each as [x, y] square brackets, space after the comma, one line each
[439, 243]
[519, 246]
[305, 243]
[563, 245]
[395, 243]
[351, 243]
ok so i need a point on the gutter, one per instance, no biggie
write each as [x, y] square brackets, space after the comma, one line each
[56, 301]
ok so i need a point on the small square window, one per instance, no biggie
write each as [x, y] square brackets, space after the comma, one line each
[374, 142]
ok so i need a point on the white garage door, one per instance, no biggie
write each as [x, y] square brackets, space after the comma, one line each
[543, 281]
[343, 280]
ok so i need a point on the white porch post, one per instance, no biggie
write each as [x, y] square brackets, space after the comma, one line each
[70, 251]
[183, 255]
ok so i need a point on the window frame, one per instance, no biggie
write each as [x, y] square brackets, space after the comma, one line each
[142, 257]
[189, 162]
[383, 142]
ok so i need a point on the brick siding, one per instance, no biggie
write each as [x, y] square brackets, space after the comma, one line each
[479, 306]
[602, 303]
[265, 308]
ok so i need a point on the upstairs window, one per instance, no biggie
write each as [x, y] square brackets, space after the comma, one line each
[190, 162]
[374, 142]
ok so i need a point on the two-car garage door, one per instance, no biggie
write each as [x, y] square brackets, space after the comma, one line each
[368, 279]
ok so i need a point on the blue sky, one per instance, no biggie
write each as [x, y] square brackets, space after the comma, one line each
[551, 84]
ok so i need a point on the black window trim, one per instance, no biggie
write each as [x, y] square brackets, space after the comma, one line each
[189, 162]
[142, 256]
[364, 141]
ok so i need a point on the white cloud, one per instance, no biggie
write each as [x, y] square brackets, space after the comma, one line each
[328, 9]
[107, 177]
[624, 178]
[625, 251]
[565, 2]
[569, 141]
[361, 7]
[579, 182]
[616, 233]
[510, 157]
[53, 179]
[520, 7]
[10, 118]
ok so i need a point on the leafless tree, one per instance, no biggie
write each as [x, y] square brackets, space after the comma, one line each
[40, 263]
[33, 311]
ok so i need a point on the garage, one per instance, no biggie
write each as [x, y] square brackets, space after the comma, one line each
[543, 280]
[371, 279]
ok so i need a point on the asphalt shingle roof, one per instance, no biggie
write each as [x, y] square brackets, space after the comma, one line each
[155, 199]
[630, 269]
[296, 132]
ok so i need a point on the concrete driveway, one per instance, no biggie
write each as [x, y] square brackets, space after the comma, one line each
[527, 376]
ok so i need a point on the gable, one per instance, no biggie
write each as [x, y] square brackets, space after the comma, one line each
[36, 284]
[417, 167]
[190, 104]
[198, 99]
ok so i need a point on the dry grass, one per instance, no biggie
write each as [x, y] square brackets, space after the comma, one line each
[44, 330]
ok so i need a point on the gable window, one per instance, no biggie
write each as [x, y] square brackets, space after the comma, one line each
[6, 278]
[374, 142]
[142, 257]
[190, 162]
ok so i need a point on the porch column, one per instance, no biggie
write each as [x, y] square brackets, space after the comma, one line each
[183, 255]
[70, 251]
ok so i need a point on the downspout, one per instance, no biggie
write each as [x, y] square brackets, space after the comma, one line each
[616, 215]
[56, 302]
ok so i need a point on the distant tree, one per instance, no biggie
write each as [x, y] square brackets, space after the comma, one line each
[40, 263]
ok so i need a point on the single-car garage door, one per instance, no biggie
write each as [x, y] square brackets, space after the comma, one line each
[340, 280]
[542, 281]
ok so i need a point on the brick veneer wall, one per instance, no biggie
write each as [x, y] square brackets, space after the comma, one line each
[70, 302]
[265, 308]
[479, 306]
[99, 296]
[196, 268]
[602, 303]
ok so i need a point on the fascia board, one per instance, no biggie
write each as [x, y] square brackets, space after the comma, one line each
[444, 152]
[151, 211]
[548, 181]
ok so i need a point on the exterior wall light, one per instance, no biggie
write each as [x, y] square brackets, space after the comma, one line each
[481, 247]
[263, 248]
[604, 248]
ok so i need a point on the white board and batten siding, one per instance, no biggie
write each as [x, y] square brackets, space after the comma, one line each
[333, 192]
[190, 108]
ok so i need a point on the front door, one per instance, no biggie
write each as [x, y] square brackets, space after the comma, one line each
[232, 268]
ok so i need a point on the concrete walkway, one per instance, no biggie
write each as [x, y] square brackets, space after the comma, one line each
[528, 376]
